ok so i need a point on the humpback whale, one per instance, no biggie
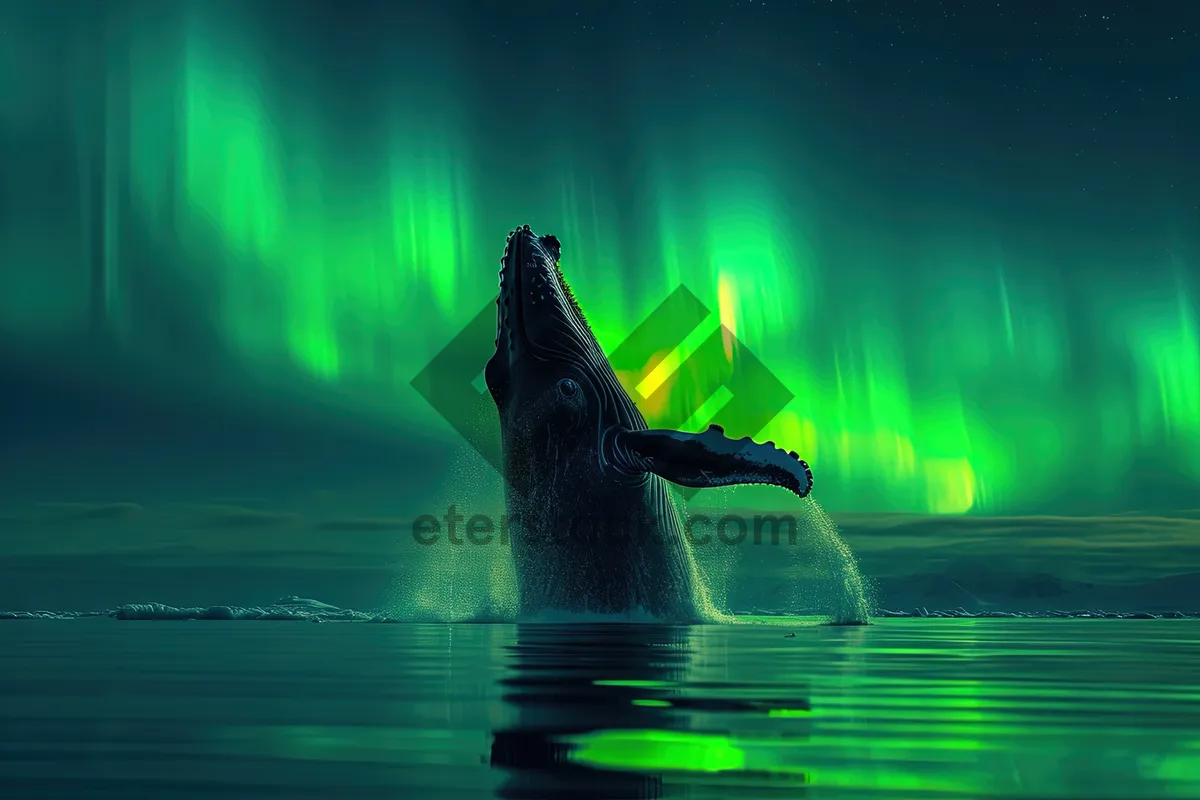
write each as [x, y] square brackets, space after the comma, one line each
[592, 527]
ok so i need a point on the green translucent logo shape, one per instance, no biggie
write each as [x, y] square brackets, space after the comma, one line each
[721, 361]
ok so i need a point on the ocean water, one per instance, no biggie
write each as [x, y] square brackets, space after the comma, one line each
[904, 708]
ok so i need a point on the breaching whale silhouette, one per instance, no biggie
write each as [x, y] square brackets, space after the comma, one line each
[593, 530]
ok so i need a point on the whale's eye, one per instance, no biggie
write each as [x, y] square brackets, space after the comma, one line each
[568, 387]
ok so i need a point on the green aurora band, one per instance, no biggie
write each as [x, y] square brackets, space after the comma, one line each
[332, 242]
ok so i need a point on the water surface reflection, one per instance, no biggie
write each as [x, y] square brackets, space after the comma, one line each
[906, 709]
[605, 711]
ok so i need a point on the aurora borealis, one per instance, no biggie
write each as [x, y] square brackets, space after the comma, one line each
[979, 274]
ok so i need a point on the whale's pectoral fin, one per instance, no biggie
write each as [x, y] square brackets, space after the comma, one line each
[710, 459]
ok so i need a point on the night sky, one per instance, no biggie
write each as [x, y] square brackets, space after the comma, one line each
[966, 236]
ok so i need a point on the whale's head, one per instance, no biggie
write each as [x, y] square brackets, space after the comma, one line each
[569, 429]
[552, 384]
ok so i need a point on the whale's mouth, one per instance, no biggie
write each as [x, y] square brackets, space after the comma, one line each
[510, 324]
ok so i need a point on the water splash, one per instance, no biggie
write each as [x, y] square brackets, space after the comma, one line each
[455, 582]
[823, 577]
[849, 602]
[714, 568]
